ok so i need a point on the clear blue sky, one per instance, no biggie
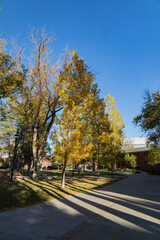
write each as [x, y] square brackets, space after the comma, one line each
[120, 39]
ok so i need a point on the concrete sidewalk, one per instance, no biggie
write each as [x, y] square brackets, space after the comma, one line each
[129, 209]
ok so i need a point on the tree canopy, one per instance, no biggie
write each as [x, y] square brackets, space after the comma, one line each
[149, 118]
[72, 124]
[130, 160]
[11, 78]
[154, 155]
[41, 95]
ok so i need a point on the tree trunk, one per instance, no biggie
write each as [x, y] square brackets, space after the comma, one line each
[14, 158]
[36, 172]
[84, 166]
[63, 176]
[40, 159]
[18, 166]
[98, 174]
[98, 162]
[93, 166]
[35, 175]
[78, 168]
[29, 168]
[112, 172]
[63, 173]
[30, 160]
[34, 148]
[73, 172]
[9, 150]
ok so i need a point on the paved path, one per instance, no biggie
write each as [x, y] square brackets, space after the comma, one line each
[129, 209]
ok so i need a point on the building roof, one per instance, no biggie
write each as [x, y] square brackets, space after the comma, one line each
[135, 142]
[134, 150]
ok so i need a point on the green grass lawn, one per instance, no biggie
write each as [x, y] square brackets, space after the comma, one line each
[26, 192]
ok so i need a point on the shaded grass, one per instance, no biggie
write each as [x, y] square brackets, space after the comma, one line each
[76, 174]
[25, 192]
[57, 173]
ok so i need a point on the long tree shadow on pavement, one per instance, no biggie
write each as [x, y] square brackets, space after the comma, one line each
[108, 213]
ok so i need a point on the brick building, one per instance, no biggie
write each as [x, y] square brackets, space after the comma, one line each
[139, 148]
[46, 163]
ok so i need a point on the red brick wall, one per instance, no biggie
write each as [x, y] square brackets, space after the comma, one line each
[46, 163]
[142, 161]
